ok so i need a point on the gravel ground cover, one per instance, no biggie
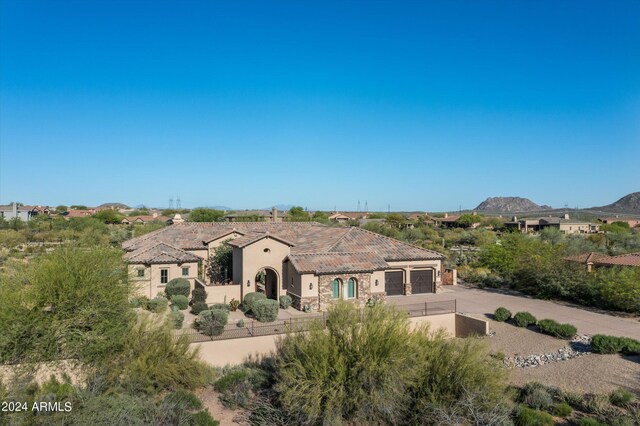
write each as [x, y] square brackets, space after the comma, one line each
[592, 373]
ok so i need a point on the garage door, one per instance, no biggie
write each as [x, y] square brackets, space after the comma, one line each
[422, 281]
[394, 283]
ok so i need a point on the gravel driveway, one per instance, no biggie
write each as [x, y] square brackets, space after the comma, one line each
[475, 301]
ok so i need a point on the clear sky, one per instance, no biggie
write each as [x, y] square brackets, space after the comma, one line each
[417, 104]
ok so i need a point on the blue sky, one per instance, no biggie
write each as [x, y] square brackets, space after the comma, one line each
[420, 105]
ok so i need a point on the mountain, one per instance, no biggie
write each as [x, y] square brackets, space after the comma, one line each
[509, 204]
[627, 204]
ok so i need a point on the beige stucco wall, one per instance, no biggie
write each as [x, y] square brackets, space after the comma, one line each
[469, 326]
[447, 322]
[379, 276]
[150, 284]
[219, 353]
[254, 258]
[223, 293]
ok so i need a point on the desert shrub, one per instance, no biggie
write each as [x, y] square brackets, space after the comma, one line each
[219, 306]
[198, 307]
[233, 304]
[553, 328]
[212, 322]
[238, 385]
[530, 417]
[178, 286]
[180, 301]
[203, 418]
[184, 399]
[176, 318]
[198, 295]
[590, 421]
[502, 314]
[285, 301]
[524, 319]
[621, 398]
[595, 404]
[539, 399]
[378, 370]
[140, 302]
[250, 299]
[574, 399]
[265, 310]
[240, 323]
[154, 359]
[603, 344]
[562, 410]
[115, 409]
[158, 304]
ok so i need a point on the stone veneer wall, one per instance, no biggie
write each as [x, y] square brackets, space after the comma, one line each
[325, 288]
[298, 302]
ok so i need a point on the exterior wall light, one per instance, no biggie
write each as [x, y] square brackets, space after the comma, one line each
[310, 286]
[248, 283]
[377, 283]
[438, 272]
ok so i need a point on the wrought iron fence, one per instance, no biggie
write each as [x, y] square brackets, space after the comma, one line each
[251, 328]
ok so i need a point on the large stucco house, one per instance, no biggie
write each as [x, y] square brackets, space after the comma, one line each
[314, 264]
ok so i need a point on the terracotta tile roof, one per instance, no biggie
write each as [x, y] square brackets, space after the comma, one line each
[307, 237]
[145, 218]
[160, 253]
[585, 258]
[328, 263]
[251, 238]
[630, 259]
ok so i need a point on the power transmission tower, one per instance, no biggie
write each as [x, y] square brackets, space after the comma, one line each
[171, 202]
[178, 205]
[366, 207]
[358, 205]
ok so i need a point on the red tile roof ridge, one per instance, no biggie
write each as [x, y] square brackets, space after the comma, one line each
[401, 242]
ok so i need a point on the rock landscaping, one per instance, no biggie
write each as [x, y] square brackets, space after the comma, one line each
[579, 346]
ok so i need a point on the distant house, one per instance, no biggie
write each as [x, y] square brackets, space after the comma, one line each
[272, 215]
[592, 259]
[339, 218]
[141, 220]
[23, 213]
[632, 222]
[448, 221]
[564, 224]
[70, 214]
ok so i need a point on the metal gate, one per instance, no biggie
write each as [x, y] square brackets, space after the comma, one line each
[394, 283]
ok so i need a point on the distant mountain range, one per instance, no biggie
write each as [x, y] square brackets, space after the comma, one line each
[509, 205]
[629, 204]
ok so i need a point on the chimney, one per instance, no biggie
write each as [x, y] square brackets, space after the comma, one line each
[515, 219]
[155, 214]
[15, 209]
[446, 215]
[274, 214]
[566, 215]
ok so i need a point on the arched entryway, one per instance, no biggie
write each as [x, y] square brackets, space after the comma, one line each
[267, 283]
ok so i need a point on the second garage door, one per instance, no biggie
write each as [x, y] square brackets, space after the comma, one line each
[422, 281]
[394, 283]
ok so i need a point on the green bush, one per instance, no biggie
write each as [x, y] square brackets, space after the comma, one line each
[178, 286]
[219, 306]
[250, 299]
[621, 398]
[158, 304]
[524, 319]
[233, 304]
[539, 399]
[240, 323]
[501, 314]
[285, 301]
[198, 295]
[140, 302]
[321, 375]
[562, 410]
[212, 322]
[596, 404]
[590, 421]
[114, 409]
[176, 318]
[530, 417]
[180, 301]
[265, 310]
[203, 418]
[603, 344]
[198, 307]
[553, 328]
[238, 385]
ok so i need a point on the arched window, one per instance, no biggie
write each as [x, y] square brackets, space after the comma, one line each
[351, 288]
[336, 288]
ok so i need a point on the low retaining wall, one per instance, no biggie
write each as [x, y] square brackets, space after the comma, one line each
[446, 322]
[468, 326]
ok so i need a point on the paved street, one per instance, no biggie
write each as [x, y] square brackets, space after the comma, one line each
[484, 301]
